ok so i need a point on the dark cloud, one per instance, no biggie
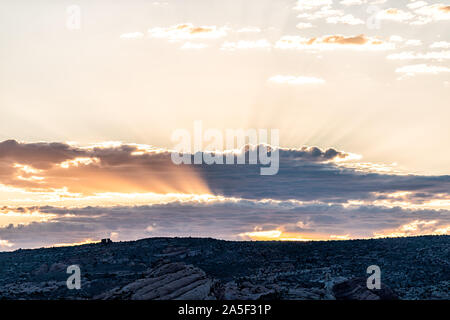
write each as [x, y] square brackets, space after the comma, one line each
[304, 174]
[304, 180]
[360, 39]
[219, 219]
[123, 168]
[38, 155]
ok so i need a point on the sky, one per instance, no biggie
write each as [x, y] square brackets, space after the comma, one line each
[92, 92]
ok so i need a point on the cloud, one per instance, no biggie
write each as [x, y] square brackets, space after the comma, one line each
[432, 13]
[107, 173]
[90, 170]
[416, 4]
[436, 11]
[5, 244]
[38, 155]
[304, 25]
[402, 42]
[440, 44]
[413, 42]
[315, 154]
[352, 2]
[127, 173]
[324, 12]
[228, 219]
[187, 31]
[396, 38]
[416, 228]
[246, 44]
[409, 55]
[394, 14]
[333, 42]
[308, 5]
[22, 217]
[296, 80]
[347, 19]
[422, 69]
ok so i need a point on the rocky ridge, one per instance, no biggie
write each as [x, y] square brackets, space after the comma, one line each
[193, 268]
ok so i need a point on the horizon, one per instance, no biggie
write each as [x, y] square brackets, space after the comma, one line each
[94, 242]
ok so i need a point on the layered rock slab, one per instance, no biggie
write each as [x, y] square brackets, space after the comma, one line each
[169, 281]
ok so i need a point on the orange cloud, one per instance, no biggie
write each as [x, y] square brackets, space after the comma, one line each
[394, 14]
[332, 42]
[46, 167]
[6, 244]
[280, 234]
[79, 243]
[360, 39]
[416, 228]
[431, 13]
[186, 31]
[11, 217]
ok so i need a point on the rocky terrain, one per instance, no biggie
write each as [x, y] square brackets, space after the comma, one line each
[201, 268]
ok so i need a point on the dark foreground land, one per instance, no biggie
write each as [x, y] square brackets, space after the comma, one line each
[202, 268]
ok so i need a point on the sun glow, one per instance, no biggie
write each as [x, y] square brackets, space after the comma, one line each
[415, 228]
[78, 161]
[10, 217]
[280, 235]
[80, 243]
[26, 168]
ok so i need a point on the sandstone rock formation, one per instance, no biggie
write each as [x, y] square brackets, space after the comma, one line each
[356, 289]
[247, 291]
[168, 281]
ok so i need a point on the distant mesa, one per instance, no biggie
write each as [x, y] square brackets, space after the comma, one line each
[106, 241]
